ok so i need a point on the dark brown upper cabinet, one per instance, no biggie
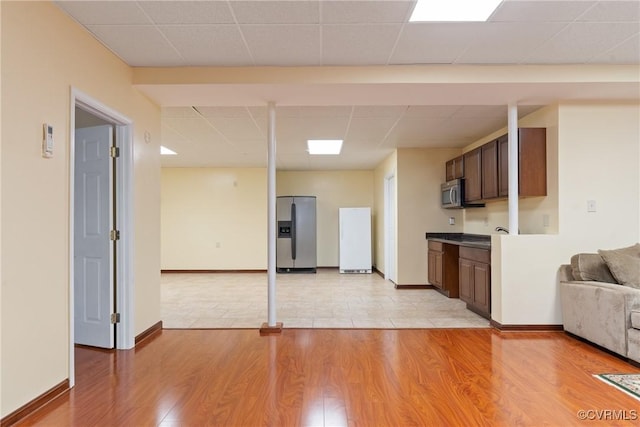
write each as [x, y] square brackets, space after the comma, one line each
[486, 168]
[532, 163]
[473, 175]
[455, 168]
[490, 170]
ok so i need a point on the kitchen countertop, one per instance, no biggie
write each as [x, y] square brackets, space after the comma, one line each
[480, 241]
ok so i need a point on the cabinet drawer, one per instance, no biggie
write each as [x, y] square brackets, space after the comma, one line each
[435, 246]
[475, 254]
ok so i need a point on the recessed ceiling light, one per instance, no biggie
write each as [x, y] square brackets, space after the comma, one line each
[164, 151]
[324, 146]
[453, 10]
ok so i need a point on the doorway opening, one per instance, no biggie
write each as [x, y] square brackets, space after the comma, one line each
[101, 227]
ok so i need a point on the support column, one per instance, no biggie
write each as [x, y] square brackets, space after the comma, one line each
[271, 326]
[512, 125]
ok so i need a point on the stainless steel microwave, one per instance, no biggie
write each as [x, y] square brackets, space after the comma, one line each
[452, 194]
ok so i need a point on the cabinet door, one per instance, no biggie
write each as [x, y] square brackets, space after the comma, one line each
[465, 280]
[473, 175]
[482, 287]
[458, 167]
[503, 166]
[434, 264]
[438, 264]
[431, 267]
[532, 163]
[450, 170]
[490, 170]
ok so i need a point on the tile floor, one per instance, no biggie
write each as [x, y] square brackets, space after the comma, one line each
[326, 299]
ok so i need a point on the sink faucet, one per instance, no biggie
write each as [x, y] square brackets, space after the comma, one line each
[506, 230]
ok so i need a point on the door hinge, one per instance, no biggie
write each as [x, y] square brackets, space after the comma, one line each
[114, 152]
[114, 234]
[115, 318]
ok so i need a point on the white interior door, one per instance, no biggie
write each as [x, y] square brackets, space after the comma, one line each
[93, 260]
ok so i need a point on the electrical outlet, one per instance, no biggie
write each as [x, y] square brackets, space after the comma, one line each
[545, 220]
[452, 220]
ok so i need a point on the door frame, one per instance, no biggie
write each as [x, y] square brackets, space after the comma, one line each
[124, 273]
[390, 212]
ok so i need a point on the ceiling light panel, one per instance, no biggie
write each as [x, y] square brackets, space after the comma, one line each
[324, 146]
[453, 10]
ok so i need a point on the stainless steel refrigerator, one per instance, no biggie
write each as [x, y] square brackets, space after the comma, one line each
[296, 242]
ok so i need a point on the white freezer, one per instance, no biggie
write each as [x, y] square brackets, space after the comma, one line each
[355, 240]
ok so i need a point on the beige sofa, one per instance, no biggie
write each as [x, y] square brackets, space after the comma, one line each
[600, 298]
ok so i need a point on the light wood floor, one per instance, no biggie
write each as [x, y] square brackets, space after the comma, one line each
[318, 377]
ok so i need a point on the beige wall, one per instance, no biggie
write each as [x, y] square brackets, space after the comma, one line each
[334, 190]
[206, 206]
[214, 219]
[420, 173]
[385, 169]
[37, 75]
[598, 154]
[531, 210]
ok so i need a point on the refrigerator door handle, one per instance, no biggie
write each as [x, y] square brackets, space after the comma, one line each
[293, 230]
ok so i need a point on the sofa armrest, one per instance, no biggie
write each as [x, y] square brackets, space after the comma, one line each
[599, 312]
[565, 273]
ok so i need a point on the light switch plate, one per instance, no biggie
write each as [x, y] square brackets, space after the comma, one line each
[47, 140]
[591, 205]
[452, 220]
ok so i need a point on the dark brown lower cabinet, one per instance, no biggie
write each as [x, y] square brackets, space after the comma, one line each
[474, 267]
[442, 268]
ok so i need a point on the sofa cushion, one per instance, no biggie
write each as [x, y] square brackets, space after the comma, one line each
[590, 267]
[624, 268]
[633, 250]
[635, 319]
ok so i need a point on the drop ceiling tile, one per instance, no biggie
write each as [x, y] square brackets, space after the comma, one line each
[234, 128]
[188, 12]
[208, 44]
[303, 128]
[170, 136]
[194, 129]
[412, 130]
[580, 42]
[178, 112]
[540, 11]
[431, 111]
[490, 46]
[358, 44]
[314, 111]
[394, 111]
[276, 12]
[105, 12]
[613, 11]
[628, 52]
[222, 112]
[369, 128]
[150, 47]
[480, 111]
[284, 45]
[366, 12]
[433, 43]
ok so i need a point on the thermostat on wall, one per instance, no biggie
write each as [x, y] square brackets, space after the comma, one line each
[47, 140]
